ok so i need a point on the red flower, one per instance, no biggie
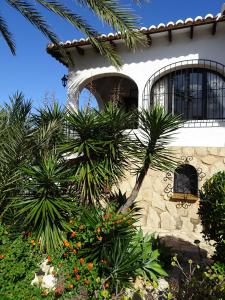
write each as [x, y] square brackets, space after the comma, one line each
[77, 277]
[73, 234]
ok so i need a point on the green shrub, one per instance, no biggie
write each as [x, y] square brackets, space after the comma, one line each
[102, 256]
[19, 260]
[200, 282]
[212, 211]
[116, 251]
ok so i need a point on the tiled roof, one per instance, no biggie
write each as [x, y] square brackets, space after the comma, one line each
[180, 24]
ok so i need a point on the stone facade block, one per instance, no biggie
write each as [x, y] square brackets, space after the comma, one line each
[153, 220]
[162, 215]
[167, 221]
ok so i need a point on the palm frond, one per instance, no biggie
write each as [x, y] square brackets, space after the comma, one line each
[78, 22]
[102, 146]
[18, 110]
[7, 35]
[157, 129]
[34, 17]
[45, 203]
[118, 17]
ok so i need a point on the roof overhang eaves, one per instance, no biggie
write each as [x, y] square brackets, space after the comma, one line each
[53, 50]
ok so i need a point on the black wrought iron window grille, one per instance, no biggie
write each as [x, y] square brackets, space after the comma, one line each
[194, 89]
[186, 180]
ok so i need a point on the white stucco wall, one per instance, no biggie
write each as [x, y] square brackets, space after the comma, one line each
[144, 62]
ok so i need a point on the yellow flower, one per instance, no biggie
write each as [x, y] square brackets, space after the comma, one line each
[78, 245]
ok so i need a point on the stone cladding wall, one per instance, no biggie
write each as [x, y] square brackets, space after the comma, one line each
[166, 217]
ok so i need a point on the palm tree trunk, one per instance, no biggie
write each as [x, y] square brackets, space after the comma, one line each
[131, 199]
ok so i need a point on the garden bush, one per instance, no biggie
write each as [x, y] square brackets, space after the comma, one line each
[199, 282]
[212, 212]
[19, 260]
[102, 256]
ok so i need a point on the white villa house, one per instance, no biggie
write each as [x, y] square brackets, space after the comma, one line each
[183, 69]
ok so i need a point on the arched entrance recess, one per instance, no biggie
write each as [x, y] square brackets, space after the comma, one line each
[117, 88]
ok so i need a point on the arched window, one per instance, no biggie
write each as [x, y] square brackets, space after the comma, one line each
[186, 180]
[194, 93]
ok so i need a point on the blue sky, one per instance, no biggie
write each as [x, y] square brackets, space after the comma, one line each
[38, 75]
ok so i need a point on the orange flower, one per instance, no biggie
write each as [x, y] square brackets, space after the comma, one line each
[2, 256]
[99, 238]
[64, 254]
[74, 251]
[73, 234]
[75, 270]
[49, 258]
[66, 243]
[78, 245]
[90, 266]
[71, 286]
[106, 285]
[33, 242]
[77, 277]
[98, 230]
[87, 281]
[81, 261]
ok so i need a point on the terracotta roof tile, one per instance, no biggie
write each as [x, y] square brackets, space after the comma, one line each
[179, 24]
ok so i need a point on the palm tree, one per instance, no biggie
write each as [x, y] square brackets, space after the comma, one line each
[156, 130]
[109, 11]
[100, 148]
[14, 129]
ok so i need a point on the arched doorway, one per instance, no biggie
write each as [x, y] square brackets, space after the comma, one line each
[97, 91]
